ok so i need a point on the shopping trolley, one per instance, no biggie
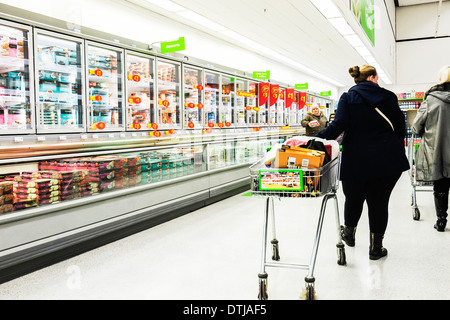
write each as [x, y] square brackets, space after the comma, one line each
[299, 184]
[417, 186]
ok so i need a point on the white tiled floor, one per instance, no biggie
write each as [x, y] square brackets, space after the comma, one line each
[215, 253]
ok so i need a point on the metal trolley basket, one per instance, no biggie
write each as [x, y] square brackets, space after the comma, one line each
[300, 184]
[417, 186]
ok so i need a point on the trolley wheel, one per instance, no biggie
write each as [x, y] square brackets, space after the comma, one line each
[310, 293]
[275, 250]
[416, 214]
[341, 255]
[262, 295]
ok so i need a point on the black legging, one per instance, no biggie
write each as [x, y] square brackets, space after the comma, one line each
[441, 186]
[377, 193]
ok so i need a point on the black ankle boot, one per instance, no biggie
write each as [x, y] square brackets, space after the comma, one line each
[441, 205]
[348, 235]
[376, 250]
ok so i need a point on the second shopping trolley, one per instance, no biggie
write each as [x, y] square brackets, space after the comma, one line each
[299, 184]
[417, 186]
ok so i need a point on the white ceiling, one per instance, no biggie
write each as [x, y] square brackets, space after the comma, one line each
[293, 28]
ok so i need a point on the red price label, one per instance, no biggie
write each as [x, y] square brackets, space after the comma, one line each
[98, 72]
[200, 87]
[210, 124]
[136, 78]
[101, 125]
[98, 98]
[137, 100]
[191, 105]
[165, 103]
[136, 126]
[220, 125]
[228, 124]
[154, 126]
[200, 106]
[157, 134]
[191, 125]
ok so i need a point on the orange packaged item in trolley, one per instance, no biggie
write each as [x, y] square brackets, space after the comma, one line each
[289, 157]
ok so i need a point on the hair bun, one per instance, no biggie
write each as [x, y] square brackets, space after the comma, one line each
[354, 71]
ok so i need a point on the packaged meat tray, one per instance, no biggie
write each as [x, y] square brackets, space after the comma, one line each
[6, 187]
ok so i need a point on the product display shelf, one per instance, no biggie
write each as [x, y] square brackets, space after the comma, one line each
[409, 107]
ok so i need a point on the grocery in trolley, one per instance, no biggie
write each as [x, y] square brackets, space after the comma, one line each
[417, 186]
[293, 170]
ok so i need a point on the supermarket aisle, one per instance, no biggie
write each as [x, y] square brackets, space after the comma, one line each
[214, 254]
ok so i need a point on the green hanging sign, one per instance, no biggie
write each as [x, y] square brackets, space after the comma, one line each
[364, 11]
[325, 93]
[261, 74]
[301, 86]
[172, 46]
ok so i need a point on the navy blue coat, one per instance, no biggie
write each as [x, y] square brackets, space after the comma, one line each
[370, 148]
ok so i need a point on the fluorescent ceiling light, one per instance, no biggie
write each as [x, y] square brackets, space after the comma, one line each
[370, 60]
[342, 26]
[201, 20]
[327, 8]
[354, 40]
[363, 51]
[167, 4]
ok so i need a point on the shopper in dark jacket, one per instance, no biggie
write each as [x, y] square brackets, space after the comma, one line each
[373, 153]
[432, 123]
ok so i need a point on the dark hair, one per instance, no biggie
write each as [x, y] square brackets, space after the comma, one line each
[361, 73]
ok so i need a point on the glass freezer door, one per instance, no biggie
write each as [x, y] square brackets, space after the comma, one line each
[242, 95]
[280, 106]
[140, 92]
[296, 112]
[212, 99]
[252, 109]
[193, 101]
[227, 107]
[169, 85]
[16, 115]
[104, 74]
[59, 83]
